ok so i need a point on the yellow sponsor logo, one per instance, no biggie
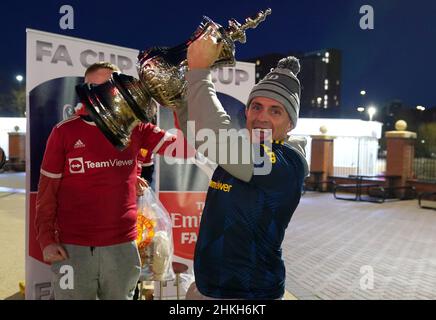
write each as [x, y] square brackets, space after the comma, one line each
[270, 153]
[220, 186]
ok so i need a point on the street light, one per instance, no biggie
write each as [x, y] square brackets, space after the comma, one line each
[371, 112]
[420, 108]
[362, 93]
[360, 109]
[19, 78]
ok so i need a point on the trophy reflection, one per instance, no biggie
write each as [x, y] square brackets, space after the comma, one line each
[118, 105]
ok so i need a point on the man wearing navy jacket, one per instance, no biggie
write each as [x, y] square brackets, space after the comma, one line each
[238, 253]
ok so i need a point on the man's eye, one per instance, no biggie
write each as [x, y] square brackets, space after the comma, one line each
[276, 112]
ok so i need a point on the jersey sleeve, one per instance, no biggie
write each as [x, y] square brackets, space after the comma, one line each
[153, 137]
[46, 201]
[46, 205]
[145, 158]
[164, 143]
[53, 162]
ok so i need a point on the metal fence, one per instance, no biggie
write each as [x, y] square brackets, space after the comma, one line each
[357, 156]
[424, 165]
[353, 156]
[425, 169]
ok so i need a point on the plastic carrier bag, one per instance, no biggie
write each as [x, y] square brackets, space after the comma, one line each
[155, 238]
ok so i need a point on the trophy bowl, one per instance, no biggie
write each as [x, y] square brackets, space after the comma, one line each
[117, 106]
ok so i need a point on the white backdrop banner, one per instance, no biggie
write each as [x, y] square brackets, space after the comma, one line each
[55, 64]
[183, 187]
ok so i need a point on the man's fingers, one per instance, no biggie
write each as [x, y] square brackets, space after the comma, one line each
[220, 46]
[53, 258]
[63, 253]
[142, 183]
[141, 186]
[57, 258]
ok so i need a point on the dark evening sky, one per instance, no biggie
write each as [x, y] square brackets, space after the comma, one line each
[396, 60]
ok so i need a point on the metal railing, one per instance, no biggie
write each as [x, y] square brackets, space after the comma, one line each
[425, 169]
[357, 156]
[353, 156]
[424, 165]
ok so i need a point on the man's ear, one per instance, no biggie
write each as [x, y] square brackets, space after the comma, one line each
[290, 126]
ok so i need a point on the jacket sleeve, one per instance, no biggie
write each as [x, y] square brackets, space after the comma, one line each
[206, 112]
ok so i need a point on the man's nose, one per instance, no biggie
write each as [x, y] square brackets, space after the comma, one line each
[263, 116]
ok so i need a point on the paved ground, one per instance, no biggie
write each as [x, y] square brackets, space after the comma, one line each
[12, 217]
[333, 246]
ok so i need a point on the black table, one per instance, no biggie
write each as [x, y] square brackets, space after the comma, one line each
[358, 186]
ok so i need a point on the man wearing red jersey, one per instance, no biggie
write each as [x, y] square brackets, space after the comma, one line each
[86, 204]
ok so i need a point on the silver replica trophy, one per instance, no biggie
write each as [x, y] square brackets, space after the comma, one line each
[162, 71]
[119, 104]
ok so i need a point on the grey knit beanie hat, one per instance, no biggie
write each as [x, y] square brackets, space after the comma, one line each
[282, 85]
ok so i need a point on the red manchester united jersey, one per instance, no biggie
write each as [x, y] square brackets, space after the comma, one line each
[96, 203]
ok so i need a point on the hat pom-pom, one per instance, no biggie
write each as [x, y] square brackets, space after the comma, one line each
[290, 63]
